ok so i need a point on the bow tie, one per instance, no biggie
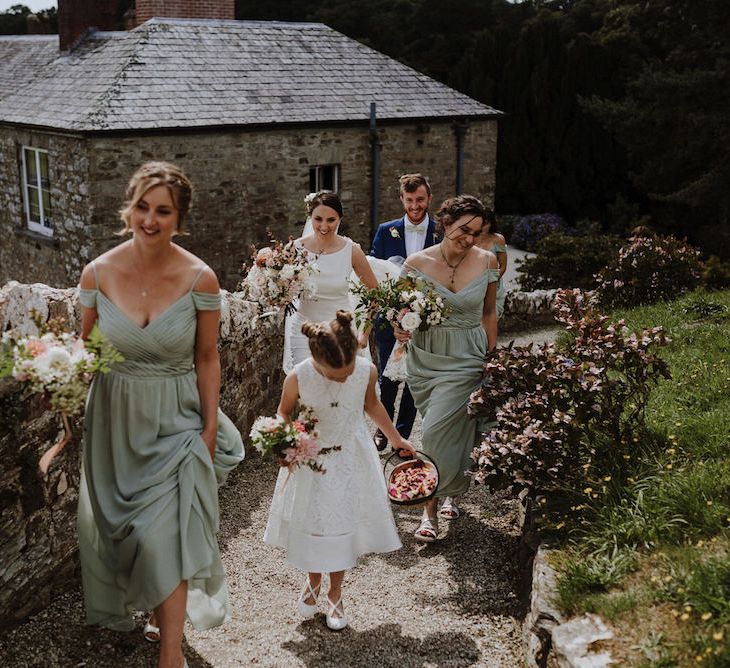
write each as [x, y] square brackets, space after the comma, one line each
[417, 229]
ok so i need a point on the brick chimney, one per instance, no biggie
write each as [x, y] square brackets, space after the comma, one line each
[184, 9]
[77, 16]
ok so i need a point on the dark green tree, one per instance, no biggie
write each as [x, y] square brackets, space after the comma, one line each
[674, 118]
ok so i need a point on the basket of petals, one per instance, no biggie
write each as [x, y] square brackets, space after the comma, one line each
[411, 482]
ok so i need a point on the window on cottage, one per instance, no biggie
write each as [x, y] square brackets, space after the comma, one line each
[324, 177]
[37, 190]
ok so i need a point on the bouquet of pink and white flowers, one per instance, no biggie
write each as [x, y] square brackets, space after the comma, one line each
[60, 365]
[281, 273]
[295, 443]
[409, 303]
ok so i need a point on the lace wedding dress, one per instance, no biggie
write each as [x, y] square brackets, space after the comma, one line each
[326, 521]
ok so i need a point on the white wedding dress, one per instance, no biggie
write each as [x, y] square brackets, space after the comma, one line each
[333, 293]
[326, 521]
[333, 280]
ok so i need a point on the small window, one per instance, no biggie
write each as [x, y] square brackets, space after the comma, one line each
[37, 190]
[324, 177]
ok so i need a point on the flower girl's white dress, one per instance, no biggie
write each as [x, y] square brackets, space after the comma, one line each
[326, 521]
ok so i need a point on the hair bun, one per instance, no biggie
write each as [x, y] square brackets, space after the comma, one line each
[311, 329]
[344, 317]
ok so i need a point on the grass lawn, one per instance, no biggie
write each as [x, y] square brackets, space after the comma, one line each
[654, 560]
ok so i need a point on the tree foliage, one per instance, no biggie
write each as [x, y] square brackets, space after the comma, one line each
[611, 105]
[14, 20]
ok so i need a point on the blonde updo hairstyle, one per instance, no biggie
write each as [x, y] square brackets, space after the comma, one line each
[150, 175]
[332, 343]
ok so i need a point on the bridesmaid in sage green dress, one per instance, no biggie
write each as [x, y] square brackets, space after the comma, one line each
[444, 363]
[492, 240]
[156, 445]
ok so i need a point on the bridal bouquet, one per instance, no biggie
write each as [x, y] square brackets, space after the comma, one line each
[295, 442]
[60, 365]
[281, 273]
[407, 302]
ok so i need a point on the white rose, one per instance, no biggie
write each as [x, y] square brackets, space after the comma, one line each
[287, 272]
[309, 287]
[410, 322]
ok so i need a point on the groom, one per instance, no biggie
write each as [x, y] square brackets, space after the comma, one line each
[401, 237]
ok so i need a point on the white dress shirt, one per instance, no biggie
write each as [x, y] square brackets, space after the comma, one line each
[415, 235]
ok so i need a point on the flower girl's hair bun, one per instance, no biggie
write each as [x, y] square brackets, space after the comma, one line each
[333, 343]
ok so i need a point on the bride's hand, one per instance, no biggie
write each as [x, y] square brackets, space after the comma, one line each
[401, 334]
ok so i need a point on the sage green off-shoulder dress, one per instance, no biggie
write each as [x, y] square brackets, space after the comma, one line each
[148, 503]
[443, 367]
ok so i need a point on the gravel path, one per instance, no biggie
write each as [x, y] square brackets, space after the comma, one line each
[452, 603]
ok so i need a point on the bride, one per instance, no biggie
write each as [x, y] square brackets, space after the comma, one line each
[336, 257]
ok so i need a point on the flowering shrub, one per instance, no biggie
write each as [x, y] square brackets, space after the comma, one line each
[567, 260]
[647, 270]
[566, 418]
[528, 230]
[716, 273]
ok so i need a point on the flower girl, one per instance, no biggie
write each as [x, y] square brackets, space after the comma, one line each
[326, 521]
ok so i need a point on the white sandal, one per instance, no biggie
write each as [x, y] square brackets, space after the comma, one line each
[336, 623]
[308, 610]
[449, 510]
[427, 531]
[151, 632]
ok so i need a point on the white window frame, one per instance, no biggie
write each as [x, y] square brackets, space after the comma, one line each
[45, 226]
[318, 176]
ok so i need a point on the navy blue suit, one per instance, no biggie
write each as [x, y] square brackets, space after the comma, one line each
[387, 244]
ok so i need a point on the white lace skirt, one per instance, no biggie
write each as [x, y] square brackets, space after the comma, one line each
[326, 521]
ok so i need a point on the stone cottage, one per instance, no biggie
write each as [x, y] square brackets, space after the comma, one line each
[257, 113]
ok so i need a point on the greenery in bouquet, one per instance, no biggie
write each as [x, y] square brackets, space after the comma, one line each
[410, 303]
[58, 364]
[568, 418]
[281, 273]
[649, 269]
[296, 443]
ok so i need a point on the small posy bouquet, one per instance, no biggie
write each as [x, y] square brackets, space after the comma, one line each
[407, 302]
[60, 365]
[281, 273]
[295, 442]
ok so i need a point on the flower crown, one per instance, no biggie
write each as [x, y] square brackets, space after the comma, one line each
[308, 202]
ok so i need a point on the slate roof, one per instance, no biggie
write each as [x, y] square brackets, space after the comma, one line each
[184, 73]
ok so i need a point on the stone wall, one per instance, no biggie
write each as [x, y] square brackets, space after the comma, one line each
[247, 181]
[38, 543]
[30, 257]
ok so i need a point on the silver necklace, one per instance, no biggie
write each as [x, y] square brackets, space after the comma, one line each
[334, 398]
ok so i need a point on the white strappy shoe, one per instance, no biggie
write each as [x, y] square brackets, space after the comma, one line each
[305, 609]
[336, 623]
